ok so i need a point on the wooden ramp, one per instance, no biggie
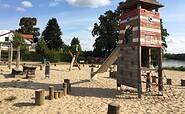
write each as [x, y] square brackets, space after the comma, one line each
[107, 63]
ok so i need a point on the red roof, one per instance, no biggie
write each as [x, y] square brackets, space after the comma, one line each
[27, 36]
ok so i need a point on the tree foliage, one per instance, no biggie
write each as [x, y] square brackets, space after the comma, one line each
[18, 40]
[107, 32]
[27, 25]
[52, 35]
[41, 47]
[164, 35]
[75, 41]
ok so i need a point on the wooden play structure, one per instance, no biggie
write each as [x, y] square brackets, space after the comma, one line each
[9, 46]
[139, 28]
[74, 59]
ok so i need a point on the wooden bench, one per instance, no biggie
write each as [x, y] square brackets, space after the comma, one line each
[16, 73]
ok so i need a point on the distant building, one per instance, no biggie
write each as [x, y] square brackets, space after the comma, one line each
[7, 36]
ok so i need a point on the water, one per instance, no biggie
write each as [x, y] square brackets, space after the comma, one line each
[173, 63]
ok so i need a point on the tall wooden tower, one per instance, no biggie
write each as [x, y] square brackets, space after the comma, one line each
[139, 27]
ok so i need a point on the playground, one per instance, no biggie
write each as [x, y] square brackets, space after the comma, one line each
[87, 96]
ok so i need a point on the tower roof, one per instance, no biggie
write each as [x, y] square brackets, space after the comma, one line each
[146, 4]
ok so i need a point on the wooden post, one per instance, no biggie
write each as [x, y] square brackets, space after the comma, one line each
[10, 55]
[65, 88]
[18, 57]
[51, 92]
[113, 108]
[72, 62]
[160, 78]
[182, 82]
[148, 65]
[169, 81]
[60, 94]
[154, 78]
[56, 94]
[39, 97]
[68, 85]
[0, 50]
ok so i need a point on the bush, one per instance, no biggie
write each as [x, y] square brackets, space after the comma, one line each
[32, 56]
[53, 56]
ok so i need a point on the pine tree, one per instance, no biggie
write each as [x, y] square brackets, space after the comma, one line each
[52, 35]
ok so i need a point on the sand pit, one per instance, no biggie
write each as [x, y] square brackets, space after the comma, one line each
[87, 96]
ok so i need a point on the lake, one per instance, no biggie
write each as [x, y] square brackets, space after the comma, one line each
[173, 63]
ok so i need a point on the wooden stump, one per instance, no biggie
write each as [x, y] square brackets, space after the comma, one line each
[92, 69]
[169, 81]
[39, 97]
[59, 94]
[65, 88]
[68, 85]
[182, 82]
[51, 92]
[113, 108]
[41, 67]
[112, 74]
[154, 79]
[56, 94]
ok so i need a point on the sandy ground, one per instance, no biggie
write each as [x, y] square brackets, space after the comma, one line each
[87, 96]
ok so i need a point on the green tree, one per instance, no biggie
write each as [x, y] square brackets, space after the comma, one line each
[18, 40]
[41, 47]
[75, 42]
[107, 32]
[52, 35]
[164, 35]
[27, 25]
[20, 45]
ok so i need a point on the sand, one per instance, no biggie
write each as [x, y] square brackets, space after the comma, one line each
[87, 96]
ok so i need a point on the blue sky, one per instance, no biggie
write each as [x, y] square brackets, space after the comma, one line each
[77, 17]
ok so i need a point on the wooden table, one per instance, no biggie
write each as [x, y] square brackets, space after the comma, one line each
[29, 71]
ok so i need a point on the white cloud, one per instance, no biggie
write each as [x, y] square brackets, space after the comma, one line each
[89, 3]
[55, 3]
[4, 6]
[20, 9]
[90, 29]
[26, 4]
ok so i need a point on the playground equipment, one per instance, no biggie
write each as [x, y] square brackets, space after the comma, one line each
[74, 59]
[139, 28]
[108, 62]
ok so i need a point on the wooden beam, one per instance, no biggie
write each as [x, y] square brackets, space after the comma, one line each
[75, 60]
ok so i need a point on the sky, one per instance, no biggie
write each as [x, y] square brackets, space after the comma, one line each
[77, 17]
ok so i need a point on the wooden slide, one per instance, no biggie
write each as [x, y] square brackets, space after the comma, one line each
[107, 63]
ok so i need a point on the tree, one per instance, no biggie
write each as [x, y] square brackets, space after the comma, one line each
[27, 26]
[107, 32]
[18, 40]
[164, 35]
[52, 35]
[41, 47]
[75, 42]
[20, 44]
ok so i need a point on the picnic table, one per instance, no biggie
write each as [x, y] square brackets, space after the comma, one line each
[29, 71]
